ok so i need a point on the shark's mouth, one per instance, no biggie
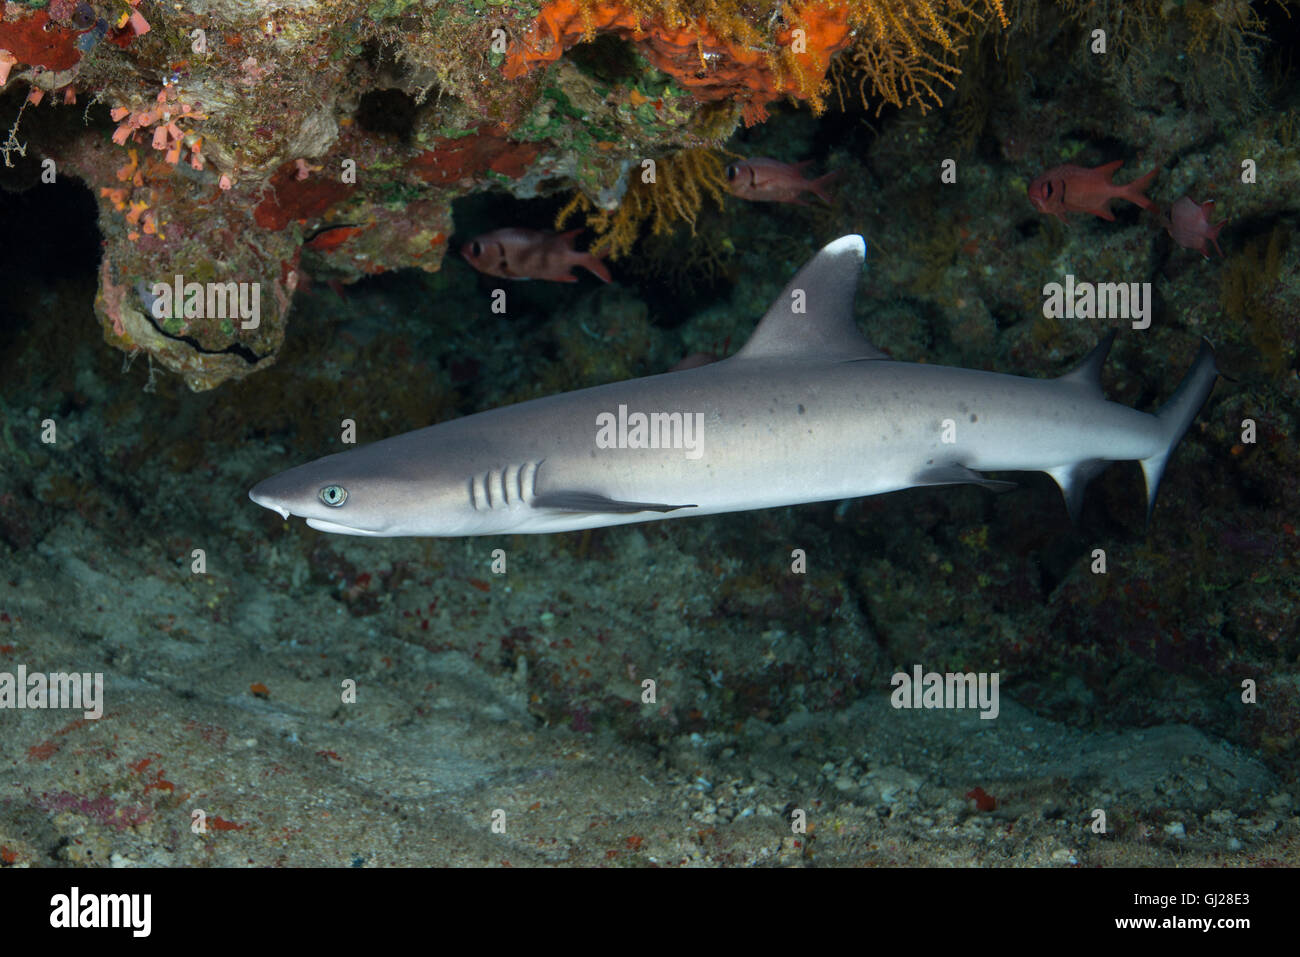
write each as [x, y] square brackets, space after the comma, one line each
[323, 526]
[320, 524]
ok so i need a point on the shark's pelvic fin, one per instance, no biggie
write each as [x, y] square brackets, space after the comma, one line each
[595, 503]
[813, 316]
[960, 475]
[1074, 479]
[1177, 414]
[1088, 371]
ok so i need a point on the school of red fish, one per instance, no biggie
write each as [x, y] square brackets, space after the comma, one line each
[541, 254]
[516, 253]
[1077, 189]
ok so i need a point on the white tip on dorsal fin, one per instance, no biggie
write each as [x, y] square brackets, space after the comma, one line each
[813, 316]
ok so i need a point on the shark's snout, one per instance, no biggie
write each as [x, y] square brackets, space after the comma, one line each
[259, 495]
[291, 493]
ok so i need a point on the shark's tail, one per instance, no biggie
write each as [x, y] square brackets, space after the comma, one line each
[1176, 415]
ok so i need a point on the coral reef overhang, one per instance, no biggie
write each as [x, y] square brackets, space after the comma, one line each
[239, 150]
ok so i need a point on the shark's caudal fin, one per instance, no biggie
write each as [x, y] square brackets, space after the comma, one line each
[813, 316]
[1175, 417]
[1177, 414]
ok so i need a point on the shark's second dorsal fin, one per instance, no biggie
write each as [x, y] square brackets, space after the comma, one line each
[813, 316]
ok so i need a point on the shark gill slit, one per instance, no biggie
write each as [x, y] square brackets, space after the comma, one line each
[496, 489]
[503, 488]
[510, 484]
[528, 481]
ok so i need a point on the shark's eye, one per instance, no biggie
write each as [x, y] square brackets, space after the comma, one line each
[732, 172]
[333, 495]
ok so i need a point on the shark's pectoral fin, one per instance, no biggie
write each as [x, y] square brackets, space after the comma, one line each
[596, 503]
[1073, 479]
[959, 475]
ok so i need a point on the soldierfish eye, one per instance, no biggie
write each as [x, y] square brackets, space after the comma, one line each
[732, 172]
[475, 249]
[333, 495]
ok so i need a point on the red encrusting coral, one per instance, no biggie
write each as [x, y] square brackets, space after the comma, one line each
[38, 41]
[293, 198]
[454, 158]
[703, 60]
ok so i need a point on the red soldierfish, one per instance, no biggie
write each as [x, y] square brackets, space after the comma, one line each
[1189, 223]
[771, 181]
[531, 254]
[1073, 189]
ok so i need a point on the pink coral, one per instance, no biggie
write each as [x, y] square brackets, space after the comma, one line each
[168, 138]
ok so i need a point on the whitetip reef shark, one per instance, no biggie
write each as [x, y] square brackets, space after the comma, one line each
[807, 411]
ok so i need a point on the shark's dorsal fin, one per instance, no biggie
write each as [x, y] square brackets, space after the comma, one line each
[813, 316]
[1088, 372]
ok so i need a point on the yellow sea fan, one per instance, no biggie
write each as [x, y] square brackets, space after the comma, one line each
[682, 182]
